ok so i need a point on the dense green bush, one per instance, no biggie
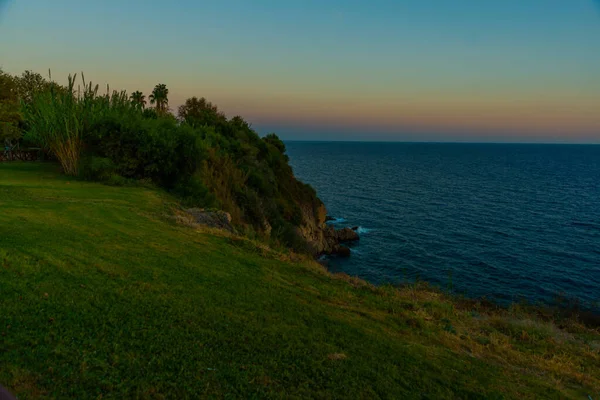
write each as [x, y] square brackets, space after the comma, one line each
[97, 168]
[159, 149]
[194, 193]
[10, 117]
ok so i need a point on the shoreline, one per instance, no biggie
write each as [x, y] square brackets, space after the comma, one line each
[563, 307]
[567, 307]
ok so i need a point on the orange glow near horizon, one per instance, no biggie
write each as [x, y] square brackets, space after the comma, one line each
[547, 116]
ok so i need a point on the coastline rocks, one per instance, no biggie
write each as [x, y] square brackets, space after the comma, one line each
[213, 219]
[342, 251]
[347, 235]
[321, 237]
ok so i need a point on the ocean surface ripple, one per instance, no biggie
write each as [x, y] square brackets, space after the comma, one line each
[508, 222]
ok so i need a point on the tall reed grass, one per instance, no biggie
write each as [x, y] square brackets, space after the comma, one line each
[60, 117]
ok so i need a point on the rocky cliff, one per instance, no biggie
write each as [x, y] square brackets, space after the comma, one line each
[323, 238]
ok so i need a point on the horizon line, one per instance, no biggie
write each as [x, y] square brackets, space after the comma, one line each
[444, 142]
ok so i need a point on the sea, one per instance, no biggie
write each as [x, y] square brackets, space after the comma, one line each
[508, 222]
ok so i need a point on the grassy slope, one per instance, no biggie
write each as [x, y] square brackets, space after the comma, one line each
[101, 296]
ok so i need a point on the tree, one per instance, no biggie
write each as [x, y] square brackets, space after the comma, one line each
[10, 116]
[198, 112]
[160, 97]
[274, 140]
[29, 84]
[138, 100]
[239, 123]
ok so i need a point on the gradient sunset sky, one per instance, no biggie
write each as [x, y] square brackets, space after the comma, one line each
[407, 70]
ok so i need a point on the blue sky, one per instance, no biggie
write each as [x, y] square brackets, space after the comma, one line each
[469, 70]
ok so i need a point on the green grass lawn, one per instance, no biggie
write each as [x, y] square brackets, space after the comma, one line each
[102, 296]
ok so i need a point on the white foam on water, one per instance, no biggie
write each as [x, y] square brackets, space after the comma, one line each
[362, 230]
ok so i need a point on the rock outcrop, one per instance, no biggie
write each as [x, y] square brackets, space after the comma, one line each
[347, 235]
[342, 251]
[321, 237]
[213, 219]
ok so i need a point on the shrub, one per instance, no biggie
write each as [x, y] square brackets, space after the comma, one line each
[288, 236]
[259, 182]
[58, 120]
[158, 149]
[118, 180]
[55, 121]
[251, 205]
[10, 117]
[97, 168]
[274, 140]
[193, 193]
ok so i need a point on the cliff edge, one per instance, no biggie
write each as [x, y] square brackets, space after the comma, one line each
[320, 237]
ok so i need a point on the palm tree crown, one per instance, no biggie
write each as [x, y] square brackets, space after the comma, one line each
[138, 99]
[160, 97]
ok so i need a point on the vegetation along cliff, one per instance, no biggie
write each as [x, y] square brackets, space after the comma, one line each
[201, 156]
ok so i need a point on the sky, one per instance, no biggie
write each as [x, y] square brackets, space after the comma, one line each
[403, 70]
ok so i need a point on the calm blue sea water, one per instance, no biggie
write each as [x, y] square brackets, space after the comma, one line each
[509, 222]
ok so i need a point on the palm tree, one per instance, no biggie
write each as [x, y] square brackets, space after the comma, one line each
[138, 100]
[159, 97]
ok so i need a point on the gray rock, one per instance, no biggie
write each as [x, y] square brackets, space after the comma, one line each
[214, 219]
